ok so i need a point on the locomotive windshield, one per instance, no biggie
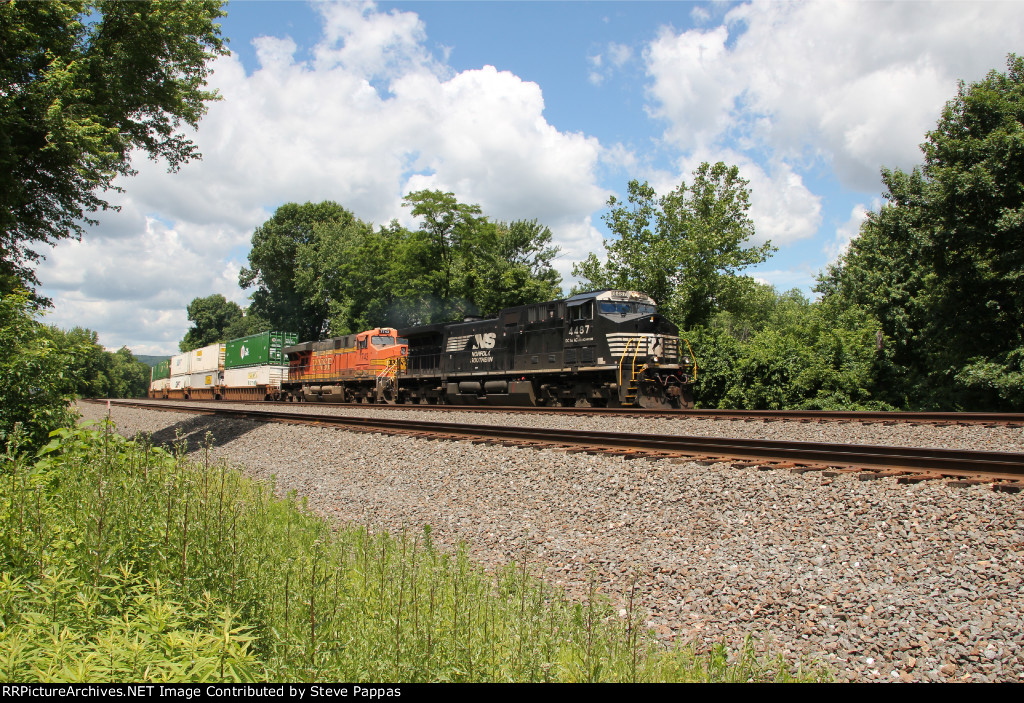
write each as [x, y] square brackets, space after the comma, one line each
[615, 308]
[381, 341]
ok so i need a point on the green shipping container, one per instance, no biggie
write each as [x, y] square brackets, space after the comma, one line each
[258, 349]
[161, 370]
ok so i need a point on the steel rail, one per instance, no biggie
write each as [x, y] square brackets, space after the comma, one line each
[862, 416]
[942, 462]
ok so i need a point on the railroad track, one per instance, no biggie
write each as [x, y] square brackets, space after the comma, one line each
[1003, 470]
[864, 417]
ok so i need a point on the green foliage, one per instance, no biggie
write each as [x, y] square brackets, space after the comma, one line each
[941, 264]
[321, 269]
[121, 561]
[274, 261]
[98, 373]
[36, 380]
[82, 85]
[509, 264]
[449, 231]
[347, 268]
[684, 249]
[784, 352]
[79, 600]
[211, 317]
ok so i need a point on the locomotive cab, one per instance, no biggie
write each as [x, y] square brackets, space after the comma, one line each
[650, 369]
[358, 367]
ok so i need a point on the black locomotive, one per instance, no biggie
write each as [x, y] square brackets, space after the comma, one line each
[606, 348]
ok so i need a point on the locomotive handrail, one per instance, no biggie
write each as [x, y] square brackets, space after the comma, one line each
[632, 364]
[693, 358]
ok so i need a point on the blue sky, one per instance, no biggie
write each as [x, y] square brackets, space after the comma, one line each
[531, 110]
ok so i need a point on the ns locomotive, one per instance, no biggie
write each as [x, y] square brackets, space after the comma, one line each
[605, 348]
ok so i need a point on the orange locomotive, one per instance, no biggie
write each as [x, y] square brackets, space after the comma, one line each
[353, 368]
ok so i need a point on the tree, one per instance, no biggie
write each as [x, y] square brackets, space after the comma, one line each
[211, 316]
[510, 264]
[36, 387]
[941, 265]
[249, 324]
[684, 249]
[82, 85]
[95, 372]
[274, 263]
[438, 251]
[345, 270]
[461, 263]
[779, 351]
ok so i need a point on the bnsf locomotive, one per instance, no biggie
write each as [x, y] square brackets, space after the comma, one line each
[605, 348]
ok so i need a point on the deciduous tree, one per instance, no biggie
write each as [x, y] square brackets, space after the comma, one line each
[82, 85]
[211, 318]
[36, 382]
[274, 264]
[941, 264]
[684, 249]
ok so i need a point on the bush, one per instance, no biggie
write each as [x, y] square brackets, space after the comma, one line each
[36, 389]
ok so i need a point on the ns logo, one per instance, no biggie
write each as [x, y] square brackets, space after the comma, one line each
[483, 341]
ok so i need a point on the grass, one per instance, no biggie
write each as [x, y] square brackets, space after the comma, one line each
[126, 562]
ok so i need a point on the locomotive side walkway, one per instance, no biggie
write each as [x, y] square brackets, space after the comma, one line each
[881, 581]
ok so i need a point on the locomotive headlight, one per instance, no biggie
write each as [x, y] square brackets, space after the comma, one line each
[654, 360]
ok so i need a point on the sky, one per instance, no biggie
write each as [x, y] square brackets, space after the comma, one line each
[530, 110]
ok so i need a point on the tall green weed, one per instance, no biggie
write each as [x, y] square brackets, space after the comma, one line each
[122, 561]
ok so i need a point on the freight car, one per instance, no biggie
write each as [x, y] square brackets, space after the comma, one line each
[604, 348]
[247, 368]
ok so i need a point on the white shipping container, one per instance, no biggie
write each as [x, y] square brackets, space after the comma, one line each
[178, 382]
[160, 384]
[255, 376]
[209, 358]
[205, 379]
[181, 364]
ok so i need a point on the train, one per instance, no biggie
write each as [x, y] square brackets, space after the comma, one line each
[607, 348]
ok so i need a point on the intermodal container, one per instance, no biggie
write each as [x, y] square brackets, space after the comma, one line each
[161, 370]
[179, 382]
[205, 379]
[258, 349]
[159, 384]
[255, 376]
[209, 358]
[181, 365]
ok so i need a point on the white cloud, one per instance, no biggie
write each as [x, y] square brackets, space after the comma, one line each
[369, 43]
[603, 64]
[370, 118]
[619, 54]
[694, 87]
[782, 208]
[848, 231]
[856, 84]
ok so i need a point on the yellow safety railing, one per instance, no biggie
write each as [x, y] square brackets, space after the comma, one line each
[634, 372]
[693, 358]
[392, 368]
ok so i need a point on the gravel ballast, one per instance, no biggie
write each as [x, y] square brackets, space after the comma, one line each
[878, 581]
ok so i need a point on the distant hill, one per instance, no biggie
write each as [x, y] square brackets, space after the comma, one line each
[151, 360]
